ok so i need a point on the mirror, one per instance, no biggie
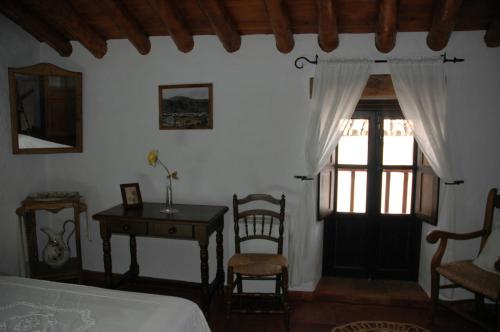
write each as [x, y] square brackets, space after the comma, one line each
[46, 109]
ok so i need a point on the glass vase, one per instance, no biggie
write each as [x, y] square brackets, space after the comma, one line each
[169, 203]
[169, 200]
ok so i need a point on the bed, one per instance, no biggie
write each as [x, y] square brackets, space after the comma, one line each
[38, 305]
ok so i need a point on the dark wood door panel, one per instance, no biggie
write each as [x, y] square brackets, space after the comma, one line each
[398, 248]
[378, 248]
[347, 247]
[394, 247]
[349, 243]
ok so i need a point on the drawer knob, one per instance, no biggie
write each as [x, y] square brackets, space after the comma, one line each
[126, 228]
[172, 230]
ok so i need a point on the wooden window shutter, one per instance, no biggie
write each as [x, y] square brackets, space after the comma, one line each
[426, 192]
[326, 181]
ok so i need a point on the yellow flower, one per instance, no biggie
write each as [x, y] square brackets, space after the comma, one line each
[153, 160]
[153, 157]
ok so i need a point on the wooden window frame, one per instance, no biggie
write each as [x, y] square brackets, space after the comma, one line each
[426, 212]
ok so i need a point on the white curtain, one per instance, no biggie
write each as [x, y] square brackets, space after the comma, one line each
[420, 87]
[338, 86]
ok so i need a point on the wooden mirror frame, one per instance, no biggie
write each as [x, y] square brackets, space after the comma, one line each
[45, 69]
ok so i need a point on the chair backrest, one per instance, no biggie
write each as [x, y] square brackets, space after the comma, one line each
[258, 223]
[492, 203]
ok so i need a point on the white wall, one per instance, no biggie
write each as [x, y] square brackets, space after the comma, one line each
[19, 174]
[254, 146]
[260, 117]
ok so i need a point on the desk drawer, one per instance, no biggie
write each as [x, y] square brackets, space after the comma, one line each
[172, 230]
[134, 228]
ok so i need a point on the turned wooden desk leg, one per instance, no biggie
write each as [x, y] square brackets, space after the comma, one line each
[220, 256]
[134, 267]
[204, 276]
[106, 250]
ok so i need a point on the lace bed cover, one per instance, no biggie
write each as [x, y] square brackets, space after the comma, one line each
[44, 306]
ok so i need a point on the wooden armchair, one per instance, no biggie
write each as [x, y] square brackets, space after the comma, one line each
[464, 273]
[258, 224]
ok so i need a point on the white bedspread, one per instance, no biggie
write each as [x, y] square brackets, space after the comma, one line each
[44, 306]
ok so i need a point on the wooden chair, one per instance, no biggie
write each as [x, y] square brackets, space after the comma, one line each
[258, 224]
[464, 273]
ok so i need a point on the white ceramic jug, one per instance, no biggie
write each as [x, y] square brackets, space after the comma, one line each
[57, 251]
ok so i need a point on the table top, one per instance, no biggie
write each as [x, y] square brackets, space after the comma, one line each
[200, 214]
[53, 205]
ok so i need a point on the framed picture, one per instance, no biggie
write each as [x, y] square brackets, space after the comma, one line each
[131, 195]
[186, 106]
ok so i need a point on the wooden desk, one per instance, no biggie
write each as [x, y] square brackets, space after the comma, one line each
[192, 222]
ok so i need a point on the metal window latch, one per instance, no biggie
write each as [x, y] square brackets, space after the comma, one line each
[303, 177]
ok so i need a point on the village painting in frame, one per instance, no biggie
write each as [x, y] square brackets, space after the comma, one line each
[186, 106]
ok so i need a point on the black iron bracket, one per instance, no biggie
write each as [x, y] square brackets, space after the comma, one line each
[303, 178]
[454, 183]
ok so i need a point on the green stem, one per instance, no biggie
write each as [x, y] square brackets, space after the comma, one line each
[163, 165]
[168, 172]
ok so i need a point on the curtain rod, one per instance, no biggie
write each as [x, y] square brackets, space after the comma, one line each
[299, 62]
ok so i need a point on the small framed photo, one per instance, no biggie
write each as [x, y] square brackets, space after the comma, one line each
[186, 106]
[131, 195]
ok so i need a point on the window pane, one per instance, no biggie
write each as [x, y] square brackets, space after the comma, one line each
[353, 145]
[396, 192]
[351, 191]
[398, 142]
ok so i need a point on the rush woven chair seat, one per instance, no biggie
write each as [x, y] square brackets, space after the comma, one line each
[256, 224]
[471, 277]
[257, 264]
[466, 273]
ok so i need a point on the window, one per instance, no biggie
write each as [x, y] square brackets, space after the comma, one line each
[376, 167]
[351, 167]
[398, 163]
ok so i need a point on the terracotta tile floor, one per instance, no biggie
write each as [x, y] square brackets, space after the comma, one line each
[381, 292]
[339, 301]
[335, 302]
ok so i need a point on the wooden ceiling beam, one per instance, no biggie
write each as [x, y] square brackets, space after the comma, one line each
[36, 27]
[443, 21]
[221, 23]
[70, 20]
[172, 19]
[128, 25]
[492, 36]
[385, 33]
[281, 24]
[328, 34]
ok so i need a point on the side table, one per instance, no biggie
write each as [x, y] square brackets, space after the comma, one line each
[72, 269]
[192, 222]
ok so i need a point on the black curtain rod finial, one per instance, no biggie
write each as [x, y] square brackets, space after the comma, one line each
[454, 60]
[299, 62]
